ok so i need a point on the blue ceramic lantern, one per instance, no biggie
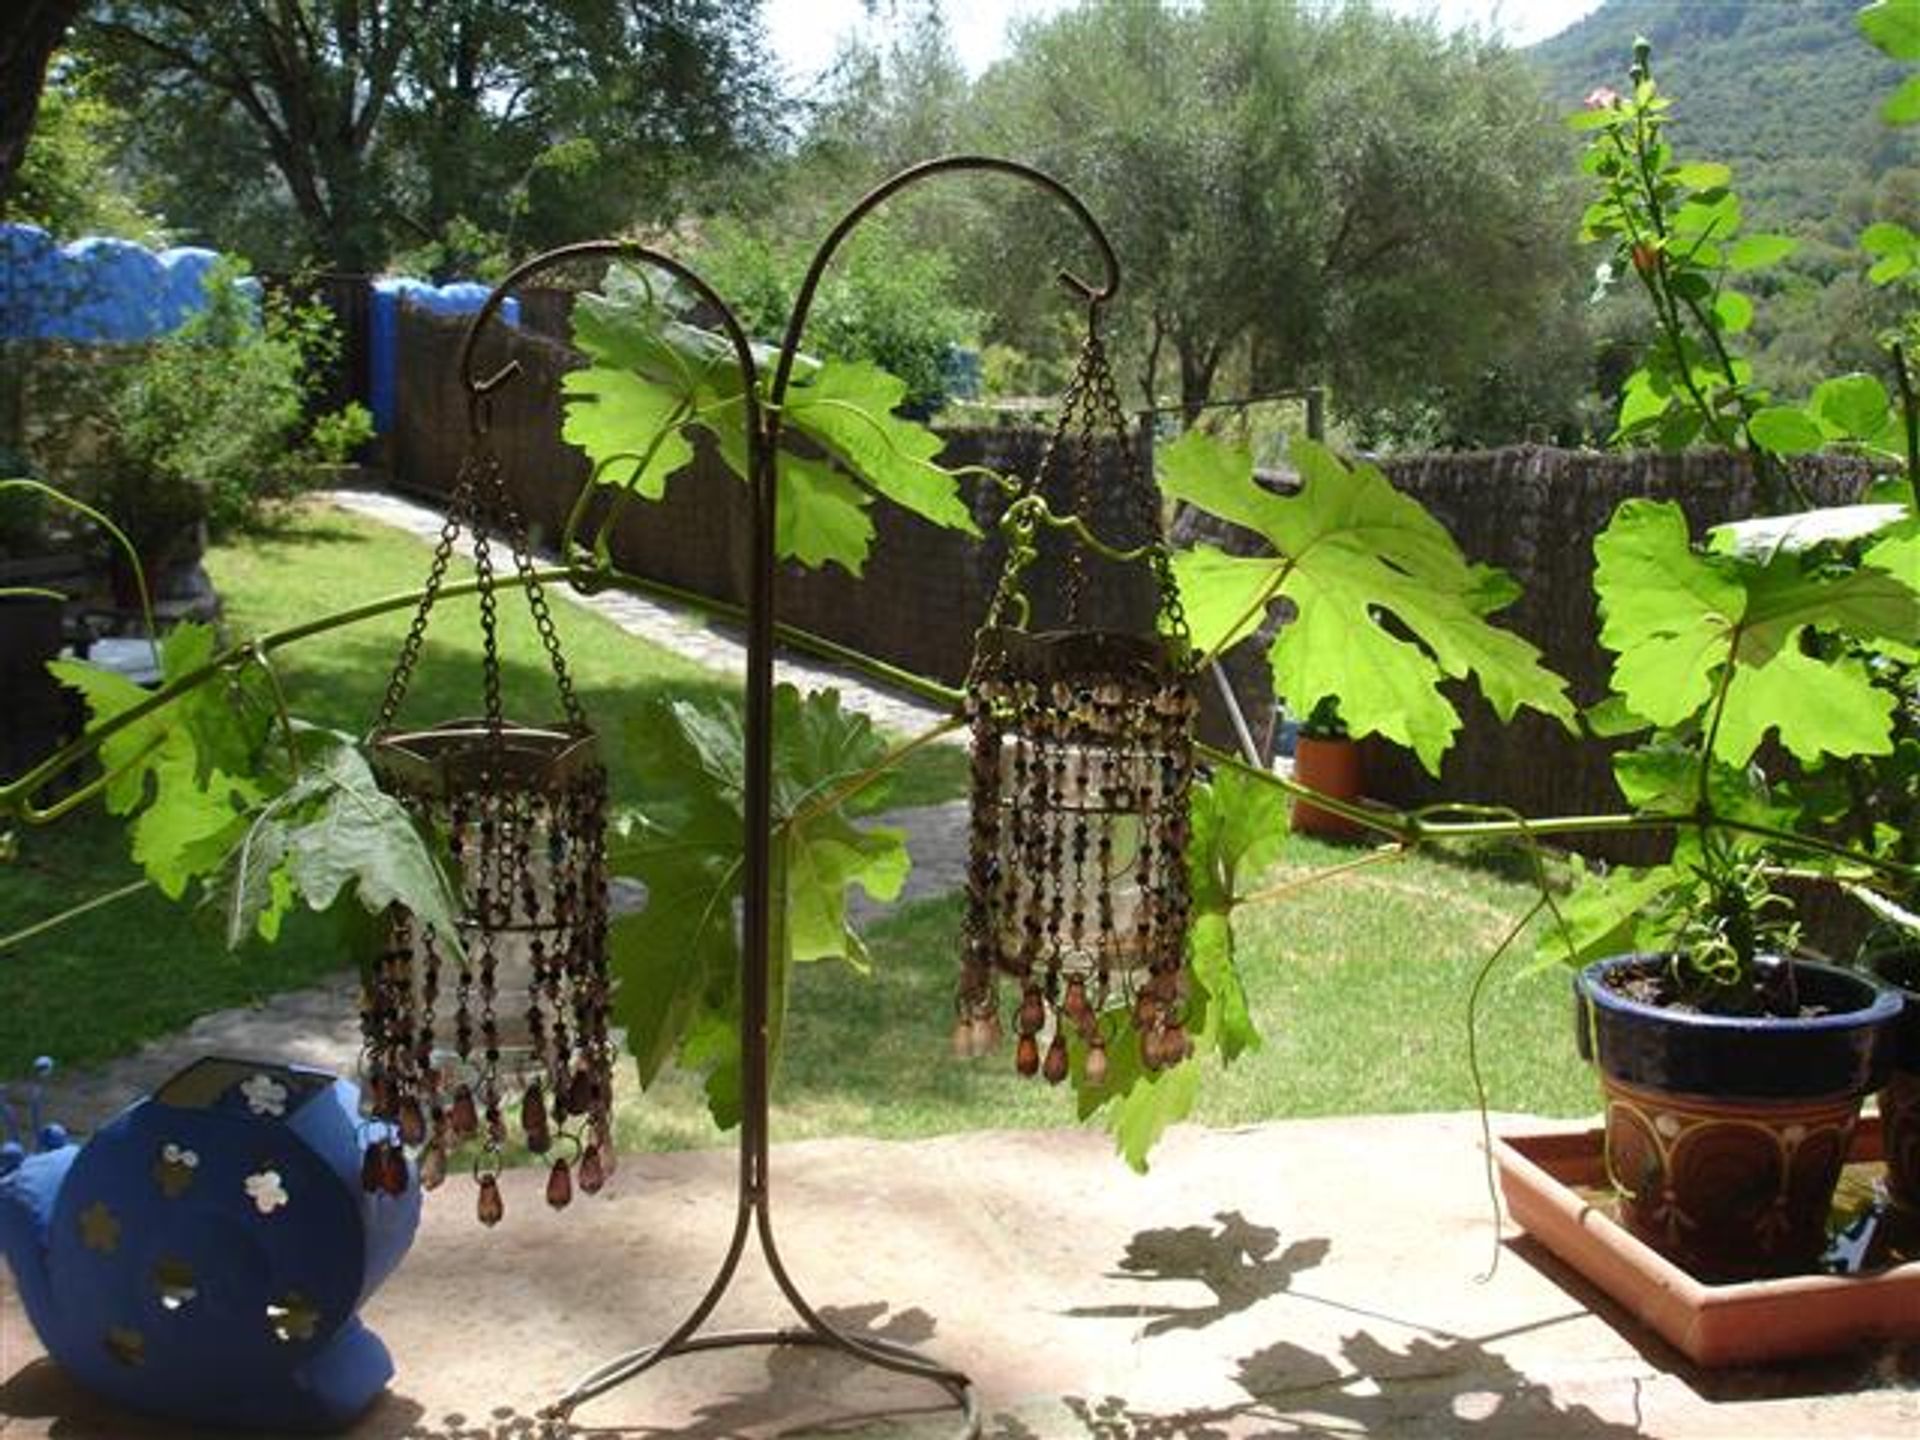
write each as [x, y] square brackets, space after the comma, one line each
[204, 1255]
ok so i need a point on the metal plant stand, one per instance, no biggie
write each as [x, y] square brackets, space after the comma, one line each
[763, 424]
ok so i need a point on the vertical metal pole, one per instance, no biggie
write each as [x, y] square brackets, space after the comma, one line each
[1316, 412]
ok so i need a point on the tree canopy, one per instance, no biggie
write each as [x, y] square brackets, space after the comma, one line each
[360, 128]
[1306, 196]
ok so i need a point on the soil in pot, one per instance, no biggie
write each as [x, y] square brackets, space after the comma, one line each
[1725, 1134]
[1900, 1099]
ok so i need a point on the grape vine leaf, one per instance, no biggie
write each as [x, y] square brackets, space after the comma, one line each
[183, 771]
[677, 959]
[1676, 619]
[654, 381]
[1239, 825]
[1351, 553]
[334, 830]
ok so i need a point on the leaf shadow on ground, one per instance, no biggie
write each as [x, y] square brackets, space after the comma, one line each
[805, 1390]
[1435, 1382]
[1234, 1259]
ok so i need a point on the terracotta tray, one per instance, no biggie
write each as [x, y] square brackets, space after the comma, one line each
[1554, 1187]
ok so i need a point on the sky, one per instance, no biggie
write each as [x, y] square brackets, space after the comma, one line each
[805, 33]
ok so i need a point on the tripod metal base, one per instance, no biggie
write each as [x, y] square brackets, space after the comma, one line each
[618, 1371]
[755, 1218]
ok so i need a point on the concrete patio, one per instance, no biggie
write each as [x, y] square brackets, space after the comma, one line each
[1301, 1278]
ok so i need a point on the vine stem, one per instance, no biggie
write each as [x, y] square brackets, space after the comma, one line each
[74, 912]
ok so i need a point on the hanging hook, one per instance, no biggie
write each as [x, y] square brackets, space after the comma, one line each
[480, 391]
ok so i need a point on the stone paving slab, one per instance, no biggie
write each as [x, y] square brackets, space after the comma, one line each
[1302, 1278]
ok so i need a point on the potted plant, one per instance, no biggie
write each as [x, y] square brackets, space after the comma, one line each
[1327, 759]
[1766, 667]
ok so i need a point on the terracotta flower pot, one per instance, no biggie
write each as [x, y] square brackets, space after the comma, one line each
[1331, 766]
[1900, 1100]
[1725, 1135]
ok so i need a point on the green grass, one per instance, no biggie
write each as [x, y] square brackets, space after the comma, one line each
[102, 984]
[1359, 983]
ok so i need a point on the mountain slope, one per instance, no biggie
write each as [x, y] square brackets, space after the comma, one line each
[1785, 91]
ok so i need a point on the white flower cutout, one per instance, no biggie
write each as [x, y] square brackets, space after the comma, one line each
[265, 1095]
[266, 1191]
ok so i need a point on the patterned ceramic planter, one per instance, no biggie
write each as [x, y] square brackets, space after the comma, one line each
[1725, 1135]
[1900, 1100]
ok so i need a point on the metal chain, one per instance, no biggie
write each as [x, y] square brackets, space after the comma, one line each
[459, 507]
[515, 528]
[489, 618]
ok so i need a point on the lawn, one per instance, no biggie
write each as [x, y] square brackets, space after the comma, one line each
[1360, 984]
[100, 985]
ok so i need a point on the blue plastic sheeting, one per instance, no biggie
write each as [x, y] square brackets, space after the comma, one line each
[97, 289]
[383, 333]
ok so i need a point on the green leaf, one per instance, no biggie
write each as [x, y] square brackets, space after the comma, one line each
[1219, 993]
[1903, 106]
[1701, 175]
[677, 960]
[352, 835]
[1786, 430]
[1818, 707]
[1154, 1101]
[1853, 405]
[1666, 612]
[848, 408]
[629, 428]
[1756, 252]
[1239, 824]
[1893, 26]
[1351, 550]
[1884, 237]
[1604, 915]
[1733, 310]
[1892, 267]
[821, 518]
[1675, 619]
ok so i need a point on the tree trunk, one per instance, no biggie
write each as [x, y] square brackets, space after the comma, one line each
[27, 43]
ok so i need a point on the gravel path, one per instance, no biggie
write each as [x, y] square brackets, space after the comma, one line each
[320, 1026]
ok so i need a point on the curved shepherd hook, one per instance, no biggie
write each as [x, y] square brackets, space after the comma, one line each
[763, 419]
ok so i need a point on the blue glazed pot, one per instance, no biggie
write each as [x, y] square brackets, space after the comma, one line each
[1725, 1135]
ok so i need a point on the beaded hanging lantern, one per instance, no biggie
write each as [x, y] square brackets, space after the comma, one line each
[508, 1022]
[1082, 765]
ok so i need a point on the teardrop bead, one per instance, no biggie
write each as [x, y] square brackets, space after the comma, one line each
[465, 1115]
[533, 1121]
[986, 1035]
[433, 1167]
[592, 1175]
[559, 1186]
[1096, 1066]
[580, 1093]
[1026, 1058]
[962, 1042]
[393, 1171]
[490, 1207]
[1055, 1069]
[370, 1168]
[1033, 1012]
[413, 1122]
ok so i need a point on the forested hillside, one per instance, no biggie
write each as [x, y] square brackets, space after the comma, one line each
[1785, 91]
[1788, 93]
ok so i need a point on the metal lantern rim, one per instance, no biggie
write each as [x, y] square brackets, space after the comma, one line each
[451, 757]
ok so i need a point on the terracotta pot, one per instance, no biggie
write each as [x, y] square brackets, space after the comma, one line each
[1333, 768]
[1900, 1101]
[1725, 1134]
